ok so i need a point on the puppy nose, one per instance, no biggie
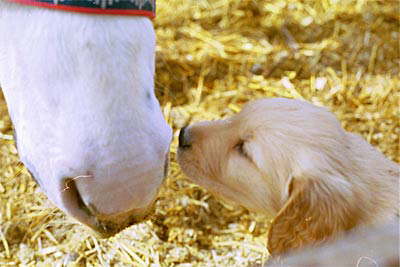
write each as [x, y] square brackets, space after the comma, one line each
[184, 138]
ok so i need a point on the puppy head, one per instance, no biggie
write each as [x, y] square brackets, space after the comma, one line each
[220, 155]
[251, 157]
[267, 156]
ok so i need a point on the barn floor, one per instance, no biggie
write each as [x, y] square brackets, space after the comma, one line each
[212, 57]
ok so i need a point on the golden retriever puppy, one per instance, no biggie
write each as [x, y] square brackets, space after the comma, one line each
[293, 160]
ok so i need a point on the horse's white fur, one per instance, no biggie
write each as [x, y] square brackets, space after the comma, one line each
[80, 93]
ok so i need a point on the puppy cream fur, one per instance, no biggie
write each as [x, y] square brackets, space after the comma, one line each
[292, 160]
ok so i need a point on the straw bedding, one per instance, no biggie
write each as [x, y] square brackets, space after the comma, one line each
[212, 57]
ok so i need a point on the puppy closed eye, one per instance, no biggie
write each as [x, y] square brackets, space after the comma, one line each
[241, 149]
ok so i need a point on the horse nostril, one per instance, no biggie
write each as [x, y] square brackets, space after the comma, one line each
[73, 192]
[184, 139]
[90, 210]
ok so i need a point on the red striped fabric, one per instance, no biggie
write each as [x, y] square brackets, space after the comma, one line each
[105, 7]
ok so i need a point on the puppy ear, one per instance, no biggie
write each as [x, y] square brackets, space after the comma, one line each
[315, 210]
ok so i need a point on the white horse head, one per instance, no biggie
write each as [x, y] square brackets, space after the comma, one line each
[80, 94]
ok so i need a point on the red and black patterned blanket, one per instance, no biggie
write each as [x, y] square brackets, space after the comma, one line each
[109, 7]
